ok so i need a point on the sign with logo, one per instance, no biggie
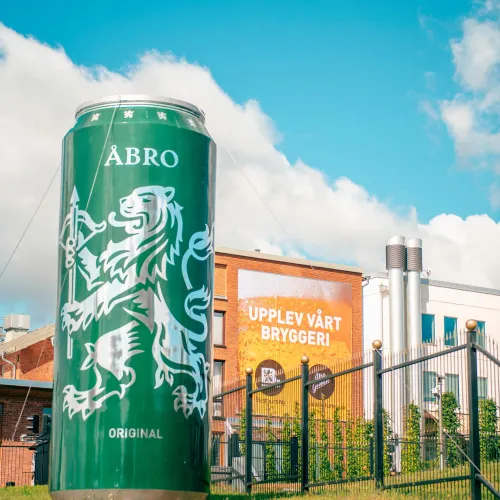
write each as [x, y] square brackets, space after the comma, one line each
[269, 372]
[322, 388]
[281, 318]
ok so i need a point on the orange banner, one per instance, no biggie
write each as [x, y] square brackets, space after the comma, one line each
[281, 318]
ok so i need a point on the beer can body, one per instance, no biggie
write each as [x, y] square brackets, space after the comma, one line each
[131, 402]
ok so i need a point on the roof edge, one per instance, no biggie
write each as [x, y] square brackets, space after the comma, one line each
[288, 260]
[444, 284]
[28, 339]
[25, 383]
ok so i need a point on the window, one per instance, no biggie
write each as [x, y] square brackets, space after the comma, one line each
[450, 331]
[218, 379]
[453, 385]
[218, 328]
[429, 384]
[481, 333]
[430, 449]
[216, 442]
[428, 328]
[46, 420]
[482, 387]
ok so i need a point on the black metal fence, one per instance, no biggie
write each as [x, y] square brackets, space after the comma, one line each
[424, 422]
[41, 462]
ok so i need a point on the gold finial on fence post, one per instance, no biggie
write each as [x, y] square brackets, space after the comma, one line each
[471, 325]
[249, 370]
[304, 360]
[377, 345]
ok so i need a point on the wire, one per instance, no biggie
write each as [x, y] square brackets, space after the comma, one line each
[95, 176]
[29, 223]
[18, 244]
[66, 274]
[28, 393]
[273, 215]
[102, 152]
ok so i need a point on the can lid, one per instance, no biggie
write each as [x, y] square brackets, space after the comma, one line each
[137, 100]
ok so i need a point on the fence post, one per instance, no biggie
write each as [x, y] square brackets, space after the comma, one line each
[304, 451]
[474, 443]
[378, 415]
[248, 432]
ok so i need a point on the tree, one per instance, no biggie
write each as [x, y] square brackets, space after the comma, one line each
[363, 437]
[387, 435]
[297, 432]
[243, 427]
[296, 420]
[411, 459]
[451, 424]
[313, 446]
[338, 452]
[286, 438]
[488, 430]
[270, 463]
[351, 452]
[324, 451]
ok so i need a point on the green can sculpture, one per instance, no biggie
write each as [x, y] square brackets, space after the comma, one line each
[131, 404]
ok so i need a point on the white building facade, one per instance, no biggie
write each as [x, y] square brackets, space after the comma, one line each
[443, 309]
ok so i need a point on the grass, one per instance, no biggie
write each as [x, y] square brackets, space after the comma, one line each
[352, 491]
[31, 492]
[41, 493]
[459, 490]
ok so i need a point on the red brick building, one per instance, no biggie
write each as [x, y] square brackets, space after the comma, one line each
[230, 262]
[27, 365]
[29, 358]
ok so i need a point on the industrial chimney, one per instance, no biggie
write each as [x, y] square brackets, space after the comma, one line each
[414, 318]
[395, 254]
[413, 296]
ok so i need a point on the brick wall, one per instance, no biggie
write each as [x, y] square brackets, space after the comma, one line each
[35, 362]
[11, 411]
[16, 464]
[229, 284]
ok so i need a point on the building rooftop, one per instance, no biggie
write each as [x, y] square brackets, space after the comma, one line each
[444, 284]
[28, 339]
[288, 260]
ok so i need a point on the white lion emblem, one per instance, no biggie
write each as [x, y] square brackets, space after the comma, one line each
[129, 275]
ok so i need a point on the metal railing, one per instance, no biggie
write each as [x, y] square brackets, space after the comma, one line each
[424, 422]
[420, 422]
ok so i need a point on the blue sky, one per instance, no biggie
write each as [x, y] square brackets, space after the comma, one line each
[396, 103]
[343, 81]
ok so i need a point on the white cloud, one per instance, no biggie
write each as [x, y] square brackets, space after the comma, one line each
[487, 6]
[425, 23]
[428, 108]
[472, 115]
[477, 54]
[335, 221]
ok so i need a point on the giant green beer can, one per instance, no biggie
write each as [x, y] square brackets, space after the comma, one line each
[131, 409]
